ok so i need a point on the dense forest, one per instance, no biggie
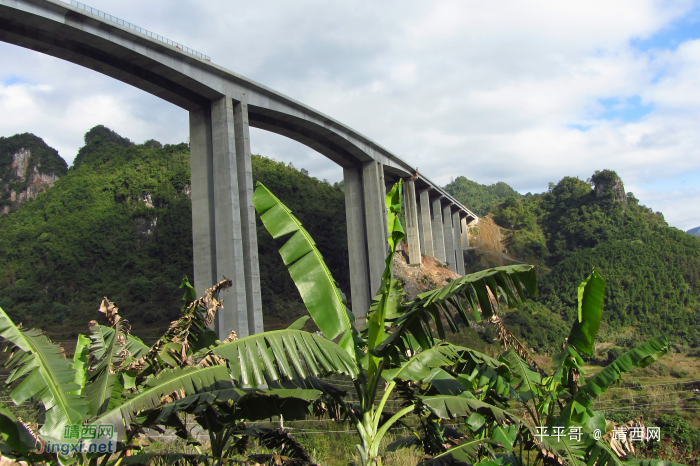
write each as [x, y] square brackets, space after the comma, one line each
[480, 198]
[652, 270]
[118, 224]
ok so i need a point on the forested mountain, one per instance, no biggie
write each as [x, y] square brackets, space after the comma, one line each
[652, 270]
[480, 198]
[118, 224]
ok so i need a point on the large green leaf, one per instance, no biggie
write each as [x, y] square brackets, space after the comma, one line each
[473, 370]
[579, 409]
[46, 375]
[187, 381]
[590, 310]
[14, 436]
[306, 266]
[463, 453]
[284, 354]
[80, 360]
[450, 407]
[480, 290]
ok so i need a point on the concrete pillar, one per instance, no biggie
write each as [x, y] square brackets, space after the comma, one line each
[412, 232]
[229, 241]
[459, 252]
[375, 222]
[421, 237]
[357, 246]
[465, 234]
[449, 237]
[438, 235]
[202, 179]
[248, 229]
[426, 225]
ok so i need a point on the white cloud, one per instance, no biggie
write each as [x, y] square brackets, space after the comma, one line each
[487, 90]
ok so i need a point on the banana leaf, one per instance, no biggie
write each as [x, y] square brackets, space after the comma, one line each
[579, 409]
[46, 375]
[287, 354]
[314, 281]
[479, 291]
[186, 381]
[463, 453]
[590, 311]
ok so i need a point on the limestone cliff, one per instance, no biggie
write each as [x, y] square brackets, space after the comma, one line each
[28, 167]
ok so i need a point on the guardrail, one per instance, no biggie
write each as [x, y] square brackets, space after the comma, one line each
[136, 28]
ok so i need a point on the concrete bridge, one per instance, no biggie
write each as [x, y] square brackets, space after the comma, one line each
[222, 106]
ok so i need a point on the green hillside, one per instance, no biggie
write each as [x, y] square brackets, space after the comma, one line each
[118, 224]
[652, 270]
[480, 198]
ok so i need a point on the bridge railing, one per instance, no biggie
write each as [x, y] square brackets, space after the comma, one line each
[136, 28]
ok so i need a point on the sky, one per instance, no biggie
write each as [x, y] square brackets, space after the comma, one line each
[521, 92]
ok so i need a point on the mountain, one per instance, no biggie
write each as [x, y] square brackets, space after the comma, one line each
[694, 231]
[118, 224]
[652, 270]
[27, 167]
[480, 198]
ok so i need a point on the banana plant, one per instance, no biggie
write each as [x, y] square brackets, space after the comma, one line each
[397, 344]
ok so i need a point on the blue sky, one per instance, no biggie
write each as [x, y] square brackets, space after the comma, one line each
[521, 92]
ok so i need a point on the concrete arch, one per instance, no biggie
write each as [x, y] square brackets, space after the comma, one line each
[222, 106]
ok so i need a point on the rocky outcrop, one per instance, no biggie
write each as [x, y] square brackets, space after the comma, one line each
[30, 180]
[28, 167]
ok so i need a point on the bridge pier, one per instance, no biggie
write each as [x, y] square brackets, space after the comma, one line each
[459, 253]
[223, 219]
[448, 234]
[412, 231]
[426, 224]
[438, 235]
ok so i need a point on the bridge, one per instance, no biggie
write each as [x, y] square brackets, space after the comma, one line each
[222, 106]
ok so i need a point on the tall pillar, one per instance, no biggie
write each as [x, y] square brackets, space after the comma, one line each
[248, 229]
[426, 224]
[229, 241]
[465, 234]
[375, 222]
[449, 237]
[421, 236]
[459, 252]
[357, 246]
[202, 179]
[412, 232]
[438, 235]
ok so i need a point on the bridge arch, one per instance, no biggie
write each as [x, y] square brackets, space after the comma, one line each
[222, 106]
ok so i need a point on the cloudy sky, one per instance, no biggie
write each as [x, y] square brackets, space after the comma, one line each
[521, 92]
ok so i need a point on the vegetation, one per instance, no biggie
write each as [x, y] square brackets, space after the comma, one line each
[119, 223]
[116, 380]
[652, 270]
[480, 198]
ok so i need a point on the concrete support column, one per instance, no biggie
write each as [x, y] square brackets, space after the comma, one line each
[449, 237]
[357, 246]
[374, 194]
[426, 225]
[421, 237]
[229, 241]
[465, 234]
[412, 232]
[248, 229]
[459, 252]
[438, 235]
[202, 179]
